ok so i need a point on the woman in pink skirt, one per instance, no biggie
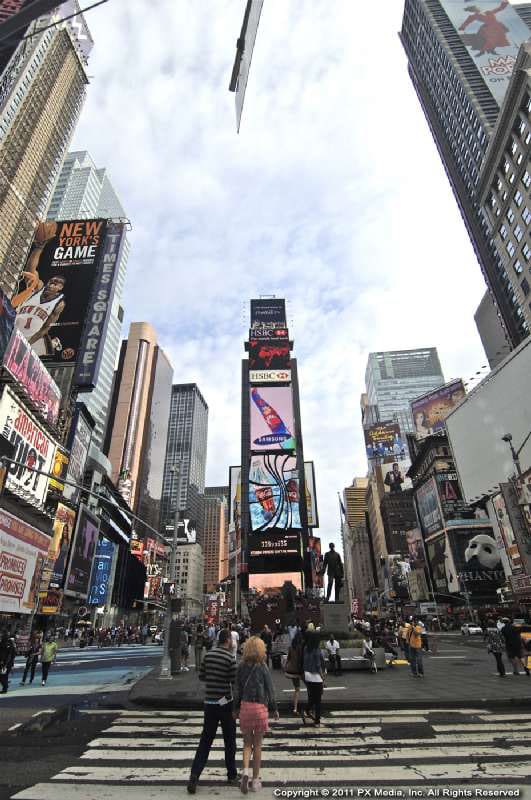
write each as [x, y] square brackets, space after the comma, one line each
[254, 696]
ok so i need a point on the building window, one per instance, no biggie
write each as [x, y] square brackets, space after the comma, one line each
[511, 249]
[518, 232]
[510, 216]
[518, 197]
[518, 268]
[526, 215]
[503, 232]
[526, 180]
[526, 250]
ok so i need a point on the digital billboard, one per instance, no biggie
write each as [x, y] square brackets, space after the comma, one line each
[507, 533]
[59, 471]
[25, 366]
[79, 444]
[23, 551]
[451, 499]
[429, 508]
[383, 441]
[82, 553]
[316, 562]
[477, 563]
[394, 476]
[268, 334]
[272, 421]
[268, 313]
[277, 551]
[60, 274]
[34, 449]
[492, 32]
[101, 573]
[269, 355]
[274, 493]
[396, 571]
[310, 494]
[270, 376]
[430, 411]
[63, 529]
[440, 562]
[415, 548]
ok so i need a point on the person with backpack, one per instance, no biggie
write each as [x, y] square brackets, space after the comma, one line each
[415, 649]
[496, 646]
[314, 675]
[294, 667]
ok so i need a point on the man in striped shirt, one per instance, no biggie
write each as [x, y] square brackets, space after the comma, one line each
[218, 671]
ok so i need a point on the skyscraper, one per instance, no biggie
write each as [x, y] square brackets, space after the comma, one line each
[84, 192]
[138, 422]
[461, 86]
[394, 378]
[214, 539]
[187, 446]
[42, 90]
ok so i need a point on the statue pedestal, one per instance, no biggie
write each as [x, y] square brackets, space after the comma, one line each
[335, 618]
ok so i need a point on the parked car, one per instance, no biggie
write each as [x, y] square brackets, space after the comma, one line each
[470, 629]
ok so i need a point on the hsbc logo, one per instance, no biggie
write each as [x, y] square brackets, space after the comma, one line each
[270, 376]
[264, 332]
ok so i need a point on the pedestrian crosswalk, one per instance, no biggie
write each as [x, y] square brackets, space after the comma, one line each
[147, 755]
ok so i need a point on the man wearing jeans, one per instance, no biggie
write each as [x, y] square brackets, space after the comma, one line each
[415, 649]
[218, 671]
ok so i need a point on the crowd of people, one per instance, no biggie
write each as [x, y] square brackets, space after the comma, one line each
[41, 649]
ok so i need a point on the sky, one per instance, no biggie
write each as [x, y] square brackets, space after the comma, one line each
[332, 196]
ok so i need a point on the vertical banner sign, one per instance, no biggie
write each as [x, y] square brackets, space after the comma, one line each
[32, 448]
[82, 554]
[492, 32]
[97, 319]
[101, 573]
[79, 444]
[25, 366]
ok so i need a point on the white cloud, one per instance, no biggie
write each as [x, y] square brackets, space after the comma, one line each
[332, 195]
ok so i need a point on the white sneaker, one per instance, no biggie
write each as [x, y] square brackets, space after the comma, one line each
[256, 785]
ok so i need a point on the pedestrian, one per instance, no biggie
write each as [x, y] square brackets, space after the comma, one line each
[145, 633]
[235, 637]
[295, 668]
[367, 651]
[403, 635]
[7, 659]
[255, 696]
[389, 643]
[334, 656]
[415, 649]
[514, 647]
[267, 638]
[424, 636]
[314, 675]
[218, 671]
[32, 658]
[48, 656]
[198, 646]
[496, 646]
[185, 650]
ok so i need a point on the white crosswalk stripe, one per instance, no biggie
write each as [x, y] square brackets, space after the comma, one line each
[147, 755]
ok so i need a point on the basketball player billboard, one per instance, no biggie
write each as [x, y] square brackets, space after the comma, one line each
[33, 448]
[59, 278]
[25, 366]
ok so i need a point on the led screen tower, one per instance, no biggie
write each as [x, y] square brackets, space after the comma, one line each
[273, 503]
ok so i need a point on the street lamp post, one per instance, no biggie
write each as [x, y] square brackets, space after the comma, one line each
[508, 437]
[165, 664]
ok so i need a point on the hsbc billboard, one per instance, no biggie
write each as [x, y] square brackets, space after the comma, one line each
[270, 376]
[268, 332]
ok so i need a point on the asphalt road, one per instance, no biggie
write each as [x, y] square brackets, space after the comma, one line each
[87, 676]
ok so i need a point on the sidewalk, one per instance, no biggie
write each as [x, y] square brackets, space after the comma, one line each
[456, 676]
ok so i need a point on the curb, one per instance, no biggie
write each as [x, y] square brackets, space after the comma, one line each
[41, 721]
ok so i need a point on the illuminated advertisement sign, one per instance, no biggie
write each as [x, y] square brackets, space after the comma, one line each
[101, 573]
[492, 32]
[60, 274]
[63, 529]
[383, 441]
[316, 562]
[268, 334]
[25, 366]
[415, 548]
[477, 563]
[272, 422]
[268, 312]
[33, 448]
[82, 554]
[278, 551]
[429, 508]
[310, 494]
[437, 549]
[23, 550]
[59, 470]
[270, 376]
[452, 504]
[394, 476]
[79, 445]
[268, 355]
[430, 411]
[274, 493]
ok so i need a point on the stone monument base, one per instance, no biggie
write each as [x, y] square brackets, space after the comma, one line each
[335, 617]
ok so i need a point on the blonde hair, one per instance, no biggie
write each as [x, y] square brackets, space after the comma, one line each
[254, 650]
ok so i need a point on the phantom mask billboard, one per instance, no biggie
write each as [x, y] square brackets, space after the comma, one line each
[274, 493]
[60, 274]
[492, 33]
[272, 422]
[430, 411]
[266, 356]
[477, 566]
